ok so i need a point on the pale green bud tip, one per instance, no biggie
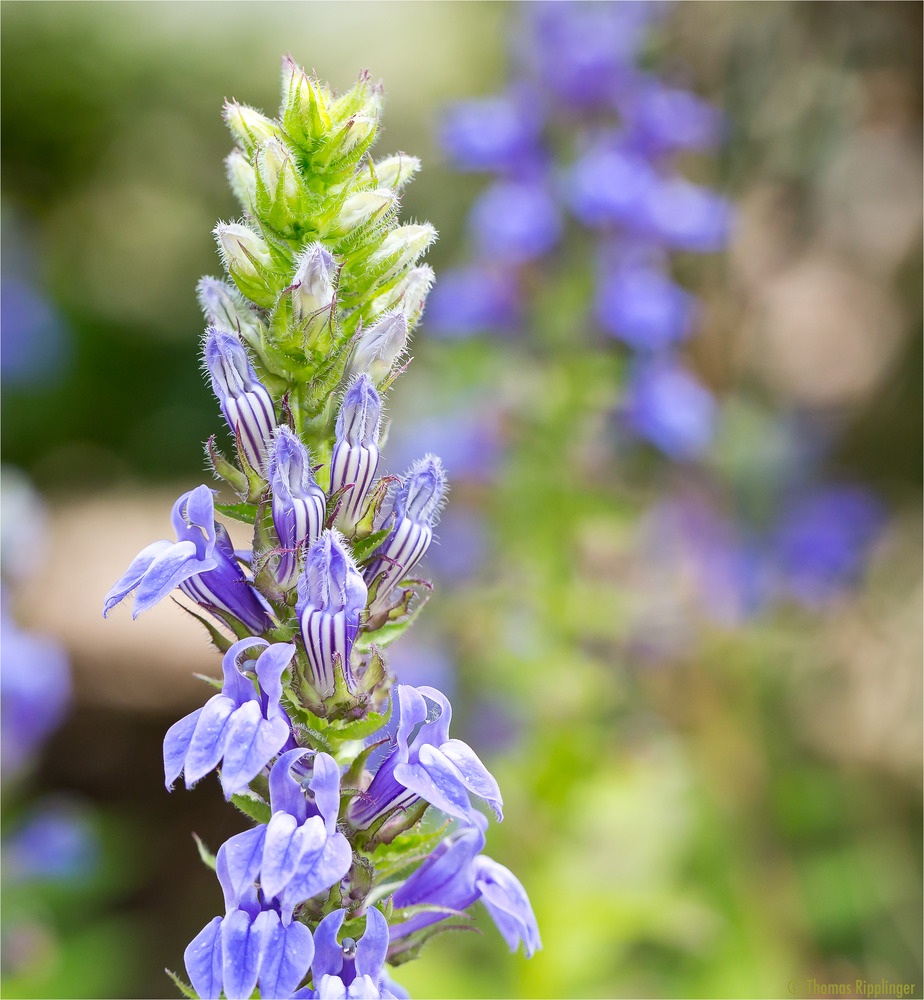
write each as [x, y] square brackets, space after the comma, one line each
[275, 164]
[380, 346]
[313, 283]
[362, 208]
[410, 293]
[224, 308]
[242, 178]
[248, 125]
[392, 172]
[407, 242]
[241, 249]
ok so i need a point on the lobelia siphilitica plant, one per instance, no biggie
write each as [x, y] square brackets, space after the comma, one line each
[312, 739]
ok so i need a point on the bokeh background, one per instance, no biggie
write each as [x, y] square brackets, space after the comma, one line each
[706, 795]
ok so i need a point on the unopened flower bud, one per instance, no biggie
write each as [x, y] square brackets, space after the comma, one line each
[277, 170]
[242, 178]
[355, 457]
[241, 249]
[416, 506]
[393, 172]
[409, 294]
[305, 106]
[359, 129]
[298, 501]
[380, 346]
[248, 126]
[313, 283]
[361, 209]
[245, 403]
[331, 596]
[248, 260]
[224, 308]
[405, 244]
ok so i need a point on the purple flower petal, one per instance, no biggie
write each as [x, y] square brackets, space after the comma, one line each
[241, 951]
[238, 863]
[203, 961]
[208, 739]
[176, 746]
[286, 957]
[250, 743]
[474, 775]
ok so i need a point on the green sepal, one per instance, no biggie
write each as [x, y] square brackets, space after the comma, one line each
[221, 642]
[213, 681]
[182, 986]
[375, 673]
[400, 822]
[250, 804]
[416, 941]
[246, 512]
[256, 484]
[361, 727]
[224, 469]
[404, 850]
[364, 547]
[354, 775]
[367, 523]
[386, 634]
[207, 857]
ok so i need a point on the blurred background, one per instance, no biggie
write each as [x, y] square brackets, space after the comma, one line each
[695, 671]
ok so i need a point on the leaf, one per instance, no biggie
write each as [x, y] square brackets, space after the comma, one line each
[204, 853]
[253, 806]
[418, 939]
[362, 547]
[372, 723]
[404, 850]
[221, 642]
[213, 681]
[390, 631]
[183, 987]
[246, 512]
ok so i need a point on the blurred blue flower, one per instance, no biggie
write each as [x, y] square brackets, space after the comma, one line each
[685, 216]
[515, 222]
[670, 408]
[609, 185]
[35, 691]
[660, 119]
[36, 345]
[583, 53]
[473, 300]
[57, 842]
[499, 134]
[822, 539]
[642, 307]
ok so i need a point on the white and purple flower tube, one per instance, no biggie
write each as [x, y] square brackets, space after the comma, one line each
[331, 597]
[245, 403]
[355, 457]
[298, 502]
[416, 505]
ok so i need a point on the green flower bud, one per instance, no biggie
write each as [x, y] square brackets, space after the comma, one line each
[243, 179]
[248, 260]
[281, 198]
[402, 246]
[393, 172]
[305, 106]
[362, 209]
[248, 126]
[409, 293]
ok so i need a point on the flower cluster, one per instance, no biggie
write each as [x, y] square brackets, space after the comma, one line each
[311, 738]
[583, 132]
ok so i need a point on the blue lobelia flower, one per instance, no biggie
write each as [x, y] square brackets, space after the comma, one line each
[351, 970]
[662, 119]
[475, 299]
[201, 562]
[252, 944]
[35, 691]
[821, 541]
[242, 727]
[355, 457]
[513, 221]
[298, 502]
[426, 764]
[639, 304]
[300, 852]
[245, 403]
[416, 505]
[331, 597]
[498, 133]
[611, 185]
[685, 216]
[456, 875]
[667, 406]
